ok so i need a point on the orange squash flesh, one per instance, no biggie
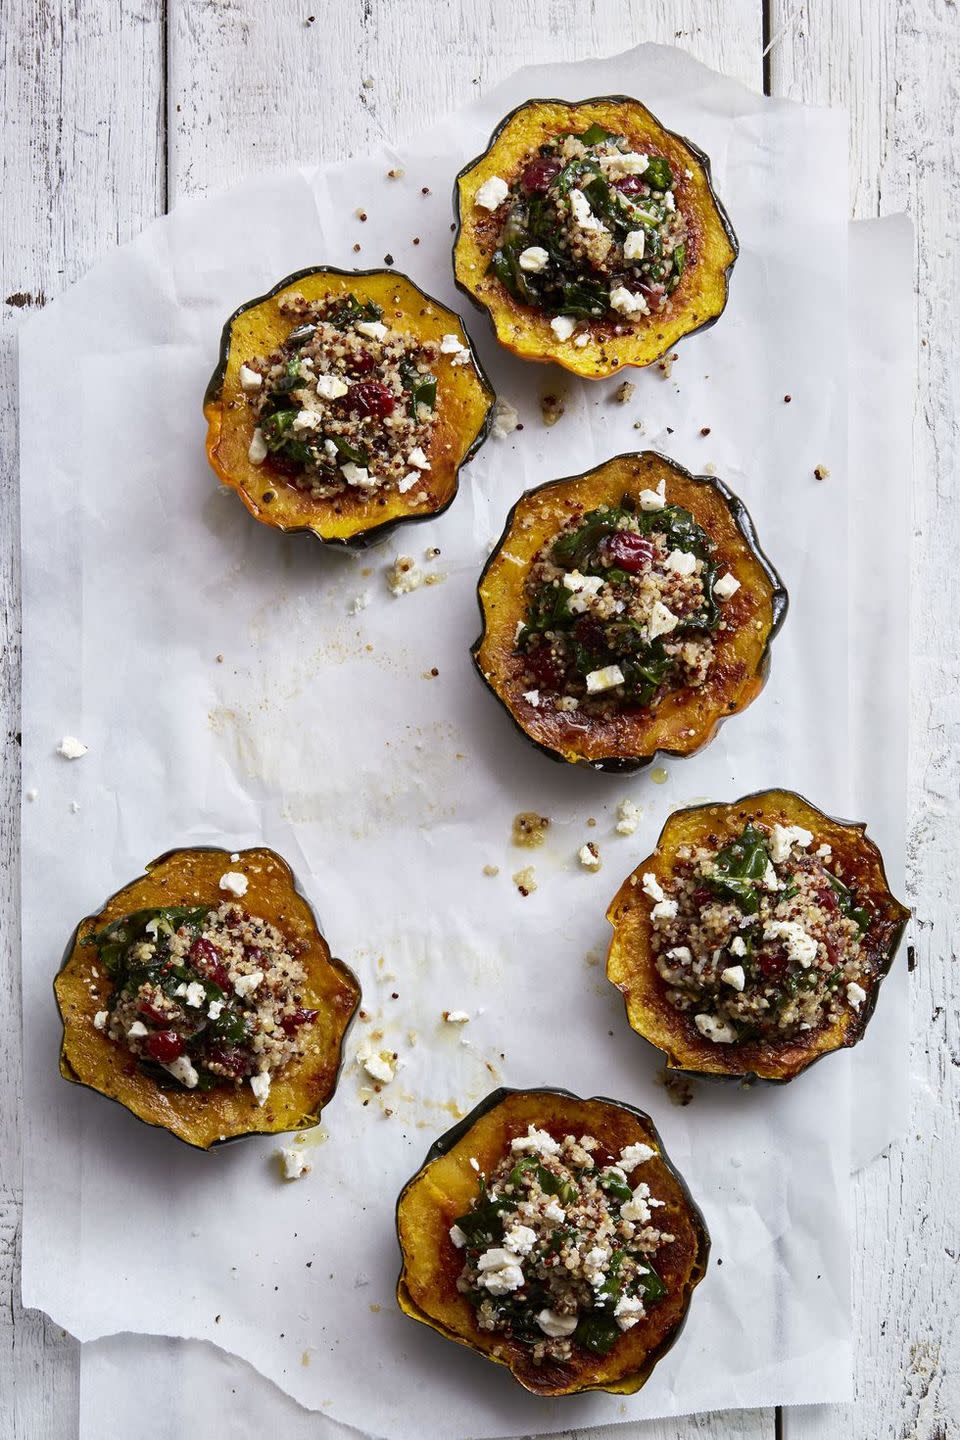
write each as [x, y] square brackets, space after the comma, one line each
[462, 413]
[630, 961]
[699, 298]
[683, 720]
[446, 1184]
[205, 1118]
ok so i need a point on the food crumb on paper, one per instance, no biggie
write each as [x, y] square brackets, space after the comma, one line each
[589, 856]
[525, 881]
[506, 419]
[404, 575]
[293, 1163]
[71, 748]
[530, 829]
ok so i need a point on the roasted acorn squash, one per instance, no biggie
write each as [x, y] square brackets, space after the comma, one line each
[683, 720]
[698, 300]
[206, 1118]
[464, 400]
[630, 962]
[446, 1183]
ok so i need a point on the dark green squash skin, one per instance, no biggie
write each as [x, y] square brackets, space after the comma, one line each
[375, 533]
[630, 764]
[749, 1078]
[338, 965]
[456, 1133]
[701, 157]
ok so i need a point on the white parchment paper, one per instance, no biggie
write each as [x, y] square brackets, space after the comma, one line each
[322, 734]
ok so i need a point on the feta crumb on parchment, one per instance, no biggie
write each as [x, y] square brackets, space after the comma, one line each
[293, 1163]
[71, 748]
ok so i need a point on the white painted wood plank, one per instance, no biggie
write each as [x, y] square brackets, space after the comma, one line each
[80, 88]
[897, 69]
[254, 86]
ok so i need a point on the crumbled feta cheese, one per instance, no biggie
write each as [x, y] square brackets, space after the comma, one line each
[250, 380]
[555, 1325]
[506, 418]
[492, 193]
[626, 303]
[357, 475]
[726, 586]
[716, 1030]
[181, 989]
[372, 329]
[662, 621]
[100, 1019]
[534, 259]
[636, 1208]
[555, 1213]
[582, 588]
[582, 340]
[520, 1239]
[532, 697]
[330, 448]
[618, 164]
[403, 576]
[293, 1163]
[499, 1271]
[245, 985]
[651, 886]
[583, 216]
[258, 448]
[137, 1030]
[563, 326]
[196, 994]
[633, 245]
[681, 953]
[408, 481]
[214, 1009]
[234, 883]
[71, 748]
[628, 1310]
[664, 910]
[260, 1085]
[537, 1141]
[769, 879]
[453, 346]
[669, 200]
[306, 420]
[376, 1067]
[589, 858]
[628, 817]
[417, 458]
[604, 679]
[738, 946]
[856, 994]
[633, 1155]
[824, 851]
[331, 387]
[456, 1017]
[654, 499]
[784, 837]
[681, 562]
[182, 1069]
[457, 1236]
[801, 947]
[734, 976]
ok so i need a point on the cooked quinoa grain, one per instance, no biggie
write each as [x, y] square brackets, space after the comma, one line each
[760, 938]
[559, 1245]
[205, 997]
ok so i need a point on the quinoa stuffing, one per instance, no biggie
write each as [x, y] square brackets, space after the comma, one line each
[760, 938]
[589, 229]
[346, 403]
[622, 606]
[204, 997]
[559, 1245]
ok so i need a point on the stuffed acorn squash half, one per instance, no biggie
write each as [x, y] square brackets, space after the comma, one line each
[204, 999]
[591, 235]
[344, 403]
[755, 938]
[483, 1222]
[626, 611]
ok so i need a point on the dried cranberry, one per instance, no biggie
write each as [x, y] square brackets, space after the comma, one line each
[151, 1013]
[628, 551]
[545, 669]
[773, 963]
[164, 1046]
[632, 185]
[370, 397]
[205, 957]
[538, 175]
[362, 364]
[291, 1023]
[826, 895]
[702, 896]
[228, 1057]
[589, 633]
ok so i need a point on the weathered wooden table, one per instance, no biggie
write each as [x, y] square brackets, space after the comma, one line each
[114, 109]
